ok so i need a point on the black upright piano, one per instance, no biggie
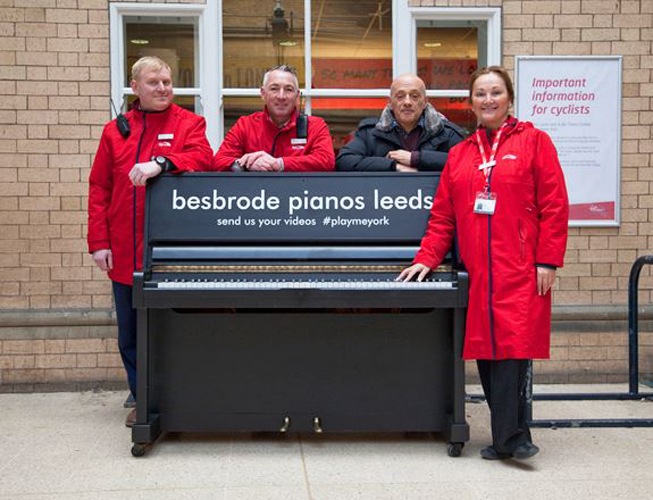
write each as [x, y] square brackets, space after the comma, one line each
[269, 303]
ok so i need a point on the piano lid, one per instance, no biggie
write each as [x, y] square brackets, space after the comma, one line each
[352, 208]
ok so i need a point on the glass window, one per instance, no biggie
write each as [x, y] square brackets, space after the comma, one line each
[351, 44]
[446, 54]
[351, 51]
[258, 36]
[235, 107]
[457, 110]
[344, 114]
[173, 39]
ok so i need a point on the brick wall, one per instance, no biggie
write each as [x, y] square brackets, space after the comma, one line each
[55, 351]
[54, 90]
[598, 260]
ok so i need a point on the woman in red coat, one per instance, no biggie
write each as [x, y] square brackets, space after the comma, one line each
[503, 193]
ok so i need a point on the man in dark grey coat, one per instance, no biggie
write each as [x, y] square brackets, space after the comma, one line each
[410, 136]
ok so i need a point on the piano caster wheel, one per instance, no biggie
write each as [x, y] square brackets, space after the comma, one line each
[138, 449]
[317, 425]
[455, 449]
[286, 424]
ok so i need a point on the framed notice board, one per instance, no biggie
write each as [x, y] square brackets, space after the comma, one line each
[577, 101]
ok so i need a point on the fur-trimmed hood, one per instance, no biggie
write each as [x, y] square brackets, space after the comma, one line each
[431, 119]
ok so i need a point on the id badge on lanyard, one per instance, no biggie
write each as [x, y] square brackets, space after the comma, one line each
[486, 201]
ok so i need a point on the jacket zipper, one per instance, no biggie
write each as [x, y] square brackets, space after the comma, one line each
[135, 191]
[274, 142]
[489, 278]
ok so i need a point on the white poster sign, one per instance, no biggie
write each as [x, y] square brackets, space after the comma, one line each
[577, 101]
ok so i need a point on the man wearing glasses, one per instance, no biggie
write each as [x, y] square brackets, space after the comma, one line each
[279, 138]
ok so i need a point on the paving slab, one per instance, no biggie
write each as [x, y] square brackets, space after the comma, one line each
[75, 446]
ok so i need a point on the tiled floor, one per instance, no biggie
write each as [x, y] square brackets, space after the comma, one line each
[75, 446]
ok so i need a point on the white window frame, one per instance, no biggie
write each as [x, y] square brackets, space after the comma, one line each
[205, 62]
[404, 55]
[210, 52]
[405, 36]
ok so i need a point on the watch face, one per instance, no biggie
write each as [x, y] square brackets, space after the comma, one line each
[160, 160]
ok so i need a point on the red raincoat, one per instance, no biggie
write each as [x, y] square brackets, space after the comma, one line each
[257, 132]
[506, 318]
[175, 133]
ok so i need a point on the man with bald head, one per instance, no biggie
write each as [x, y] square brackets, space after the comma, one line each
[410, 136]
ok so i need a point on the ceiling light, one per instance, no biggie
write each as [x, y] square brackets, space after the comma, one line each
[288, 43]
[139, 41]
[432, 45]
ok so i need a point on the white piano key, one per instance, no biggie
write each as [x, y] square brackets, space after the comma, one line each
[306, 285]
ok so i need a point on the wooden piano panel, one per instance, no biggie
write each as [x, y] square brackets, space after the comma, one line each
[372, 371]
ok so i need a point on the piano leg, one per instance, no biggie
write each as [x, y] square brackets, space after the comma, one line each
[458, 426]
[147, 428]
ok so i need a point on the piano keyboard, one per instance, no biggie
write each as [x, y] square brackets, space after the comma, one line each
[304, 285]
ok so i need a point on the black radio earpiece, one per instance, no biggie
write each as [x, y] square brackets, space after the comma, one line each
[302, 120]
[121, 122]
[302, 126]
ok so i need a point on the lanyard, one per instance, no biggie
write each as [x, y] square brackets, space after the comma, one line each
[487, 165]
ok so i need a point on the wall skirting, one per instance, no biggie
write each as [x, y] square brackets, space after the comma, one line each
[64, 350]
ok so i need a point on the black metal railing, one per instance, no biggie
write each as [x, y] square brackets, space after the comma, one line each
[633, 371]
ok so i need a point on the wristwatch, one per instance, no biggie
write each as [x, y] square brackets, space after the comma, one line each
[165, 164]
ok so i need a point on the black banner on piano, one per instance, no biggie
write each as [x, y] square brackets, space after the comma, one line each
[335, 207]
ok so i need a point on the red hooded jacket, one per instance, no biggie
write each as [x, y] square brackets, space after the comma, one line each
[175, 133]
[506, 318]
[257, 132]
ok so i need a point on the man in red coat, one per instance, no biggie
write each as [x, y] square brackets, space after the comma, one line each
[278, 138]
[158, 136]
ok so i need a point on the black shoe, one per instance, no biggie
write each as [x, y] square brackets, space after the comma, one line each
[524, 451]
[490, 453]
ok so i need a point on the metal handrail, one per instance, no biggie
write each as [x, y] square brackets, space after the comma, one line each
[633, 327]
[633, 370]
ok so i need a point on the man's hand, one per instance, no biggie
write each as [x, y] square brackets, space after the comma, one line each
[260, 161]
[141, 172]
[402, 160]
[404, 168]
[103, 259]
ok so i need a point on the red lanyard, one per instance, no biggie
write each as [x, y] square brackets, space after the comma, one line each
[487, 165]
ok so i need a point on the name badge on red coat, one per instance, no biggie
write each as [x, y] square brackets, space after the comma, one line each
[485, 203]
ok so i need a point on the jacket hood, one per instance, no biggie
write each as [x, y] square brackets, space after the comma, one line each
[431, 119]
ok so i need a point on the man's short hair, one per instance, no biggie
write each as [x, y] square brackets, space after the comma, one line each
[282, 67]
[148, 62]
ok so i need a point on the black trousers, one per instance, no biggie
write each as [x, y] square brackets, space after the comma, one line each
[126, 318]
[506, 386]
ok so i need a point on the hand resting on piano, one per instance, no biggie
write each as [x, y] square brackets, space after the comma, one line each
[417, 271]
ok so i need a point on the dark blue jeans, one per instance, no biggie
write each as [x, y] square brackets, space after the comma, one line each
[126, 316]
